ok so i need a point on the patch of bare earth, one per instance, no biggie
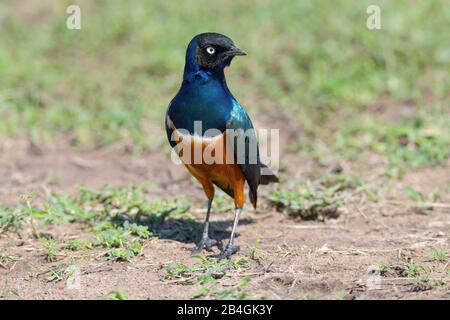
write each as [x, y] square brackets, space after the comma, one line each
[339, 258]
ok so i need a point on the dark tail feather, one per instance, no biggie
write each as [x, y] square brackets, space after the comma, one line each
[253, 198]
[267, 178]
[263, 179]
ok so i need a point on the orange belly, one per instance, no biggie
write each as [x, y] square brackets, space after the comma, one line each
[207, 162]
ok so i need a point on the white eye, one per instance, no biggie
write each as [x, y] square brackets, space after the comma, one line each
[210, 50]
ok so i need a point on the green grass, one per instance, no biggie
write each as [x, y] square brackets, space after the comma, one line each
[7, 260]
[421, 276]
[314, 61]
[438, 255]
[206, 273]
[10, 219]
[122, 243]
[255, 252]
[52, 249]
[119, 220]
[413, 142]
[235, 292]
[59, 272]
[116, 295]
[203, 271]
[414, 269]
[77, 244]
[414, 195]
[340, 295]
[222, 204]
[318, 200]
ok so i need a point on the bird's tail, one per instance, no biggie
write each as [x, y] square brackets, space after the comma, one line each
[263, 179]
[267, 178]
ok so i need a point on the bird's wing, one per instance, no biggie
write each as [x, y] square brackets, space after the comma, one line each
[245, 140]
[169, 126]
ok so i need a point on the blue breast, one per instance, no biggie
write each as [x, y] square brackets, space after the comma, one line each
[202, 98]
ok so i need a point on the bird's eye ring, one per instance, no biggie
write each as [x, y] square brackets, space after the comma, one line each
[210, 50]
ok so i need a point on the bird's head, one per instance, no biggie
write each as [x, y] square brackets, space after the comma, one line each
[210, 51]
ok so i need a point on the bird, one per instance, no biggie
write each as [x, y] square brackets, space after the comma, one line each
[200, 118]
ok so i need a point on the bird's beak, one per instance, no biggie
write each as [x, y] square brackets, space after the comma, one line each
[234, 51]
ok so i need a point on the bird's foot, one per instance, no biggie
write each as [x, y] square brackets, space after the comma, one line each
[229, 250]
[207, 244]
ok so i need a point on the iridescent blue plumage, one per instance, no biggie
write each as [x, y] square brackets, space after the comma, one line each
[204, 98]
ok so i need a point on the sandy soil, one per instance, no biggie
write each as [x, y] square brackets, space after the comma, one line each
[333, 259]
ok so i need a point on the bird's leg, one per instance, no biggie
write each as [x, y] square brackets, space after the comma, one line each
[231, 249]
[206, 242]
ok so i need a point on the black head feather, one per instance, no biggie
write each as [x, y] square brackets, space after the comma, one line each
[215, 50]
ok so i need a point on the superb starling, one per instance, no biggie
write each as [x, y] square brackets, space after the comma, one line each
[201, 117]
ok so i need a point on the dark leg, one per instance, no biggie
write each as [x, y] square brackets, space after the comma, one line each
[206, 242]
[231, 249]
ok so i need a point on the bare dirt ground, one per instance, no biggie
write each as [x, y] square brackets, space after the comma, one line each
[338, 258]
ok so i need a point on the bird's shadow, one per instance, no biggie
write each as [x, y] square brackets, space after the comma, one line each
[185, 230]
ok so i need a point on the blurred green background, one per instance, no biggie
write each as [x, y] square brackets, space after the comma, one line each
[347, 88]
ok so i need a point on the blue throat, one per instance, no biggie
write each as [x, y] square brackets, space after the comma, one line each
[192, 70]
[203, 96]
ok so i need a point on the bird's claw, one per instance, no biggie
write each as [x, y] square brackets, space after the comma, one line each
[207, 244]
[229, 251]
